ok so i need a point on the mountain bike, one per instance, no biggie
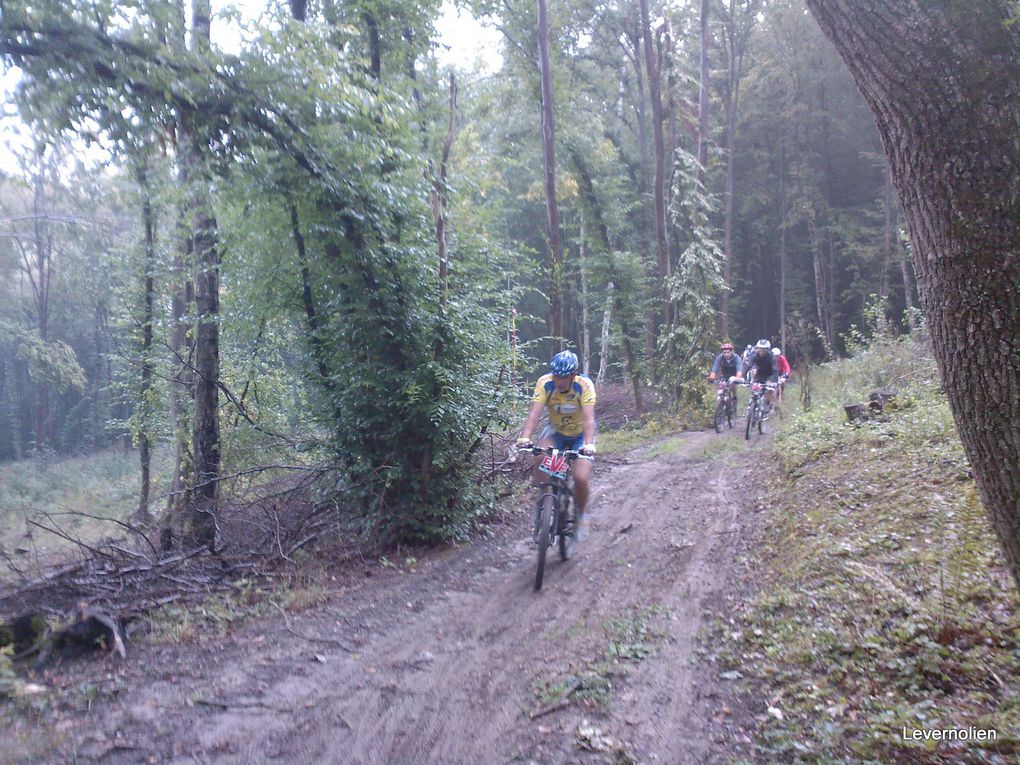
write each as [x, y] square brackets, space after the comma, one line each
[725, 405]
[554, 511]
[757, 408]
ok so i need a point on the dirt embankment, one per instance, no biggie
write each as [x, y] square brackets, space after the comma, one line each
[460, 661]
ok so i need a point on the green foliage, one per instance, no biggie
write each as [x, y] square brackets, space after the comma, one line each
[51, 362]
[695, 286]
[63, 491]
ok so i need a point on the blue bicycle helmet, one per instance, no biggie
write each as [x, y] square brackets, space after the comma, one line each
[563, 363]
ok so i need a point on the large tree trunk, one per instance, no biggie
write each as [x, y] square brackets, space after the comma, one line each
[942, 79]
[206, 432]
[552, 213]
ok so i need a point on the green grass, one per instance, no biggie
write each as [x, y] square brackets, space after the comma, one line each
[60, 492]
[887, 604]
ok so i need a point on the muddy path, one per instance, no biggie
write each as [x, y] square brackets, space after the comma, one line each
[460, 660]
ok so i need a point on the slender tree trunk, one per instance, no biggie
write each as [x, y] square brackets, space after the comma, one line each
[552, 213]
[731, 129]
[703, 103]
[440, 201]
[658, 191]
[312, 323]
[908, 278]
[887, 249]
[942, 78]
[782, 244]
[43, 246]
[604, 340]
[144, 403]
[585, 337]
[819, 271]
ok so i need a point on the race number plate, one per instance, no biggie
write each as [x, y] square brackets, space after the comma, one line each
[555, 465]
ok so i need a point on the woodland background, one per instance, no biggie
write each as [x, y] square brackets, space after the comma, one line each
[328, 250]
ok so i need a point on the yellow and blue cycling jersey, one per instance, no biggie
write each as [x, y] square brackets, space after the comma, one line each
[565, 408]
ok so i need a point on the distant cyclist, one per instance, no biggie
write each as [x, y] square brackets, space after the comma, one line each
[783, 367]
[746, 357]
[570, 399]
[726, 365]
[763, 367]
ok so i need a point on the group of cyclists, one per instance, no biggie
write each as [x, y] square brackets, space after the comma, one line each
[569, 398]
[759, 363]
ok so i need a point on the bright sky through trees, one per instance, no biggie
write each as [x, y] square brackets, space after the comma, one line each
[463, 42]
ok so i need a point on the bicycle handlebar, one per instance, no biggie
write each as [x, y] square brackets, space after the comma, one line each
[570, 454]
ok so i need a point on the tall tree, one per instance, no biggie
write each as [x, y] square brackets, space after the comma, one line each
[737, 27]
[552, 212]
[703, 102]
[941, 78]
[654, 70]
[206, 431]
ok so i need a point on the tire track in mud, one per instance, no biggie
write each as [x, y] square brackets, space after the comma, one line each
[450, 659]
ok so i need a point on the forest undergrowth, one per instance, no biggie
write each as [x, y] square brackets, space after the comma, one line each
[884, 621]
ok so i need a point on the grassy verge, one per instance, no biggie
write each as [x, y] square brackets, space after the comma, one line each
[79, 496]
[886, 615]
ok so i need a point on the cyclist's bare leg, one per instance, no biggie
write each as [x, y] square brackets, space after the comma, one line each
[582, 472]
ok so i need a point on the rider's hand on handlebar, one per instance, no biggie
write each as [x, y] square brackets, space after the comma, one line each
[711, 377]
[588, 450]
[524, 444]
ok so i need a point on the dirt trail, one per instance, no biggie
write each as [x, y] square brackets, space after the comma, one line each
[446, 664]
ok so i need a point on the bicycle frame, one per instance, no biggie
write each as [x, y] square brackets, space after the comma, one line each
[555, 495]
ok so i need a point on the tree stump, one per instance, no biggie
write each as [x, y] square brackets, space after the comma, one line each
[856, 412]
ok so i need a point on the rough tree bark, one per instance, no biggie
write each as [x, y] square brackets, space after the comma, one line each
[206, 432]
[942, 78]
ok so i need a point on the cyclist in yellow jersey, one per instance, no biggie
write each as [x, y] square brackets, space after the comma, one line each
[570, 400]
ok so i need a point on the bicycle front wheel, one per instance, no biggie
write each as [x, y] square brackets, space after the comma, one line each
[720, 414]
[566, 531]
[752, 412]
[545, 521]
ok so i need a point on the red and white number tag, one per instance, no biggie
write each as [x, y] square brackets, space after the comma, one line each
[555, 465]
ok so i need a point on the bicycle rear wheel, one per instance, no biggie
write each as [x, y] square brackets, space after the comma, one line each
[545, 520]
